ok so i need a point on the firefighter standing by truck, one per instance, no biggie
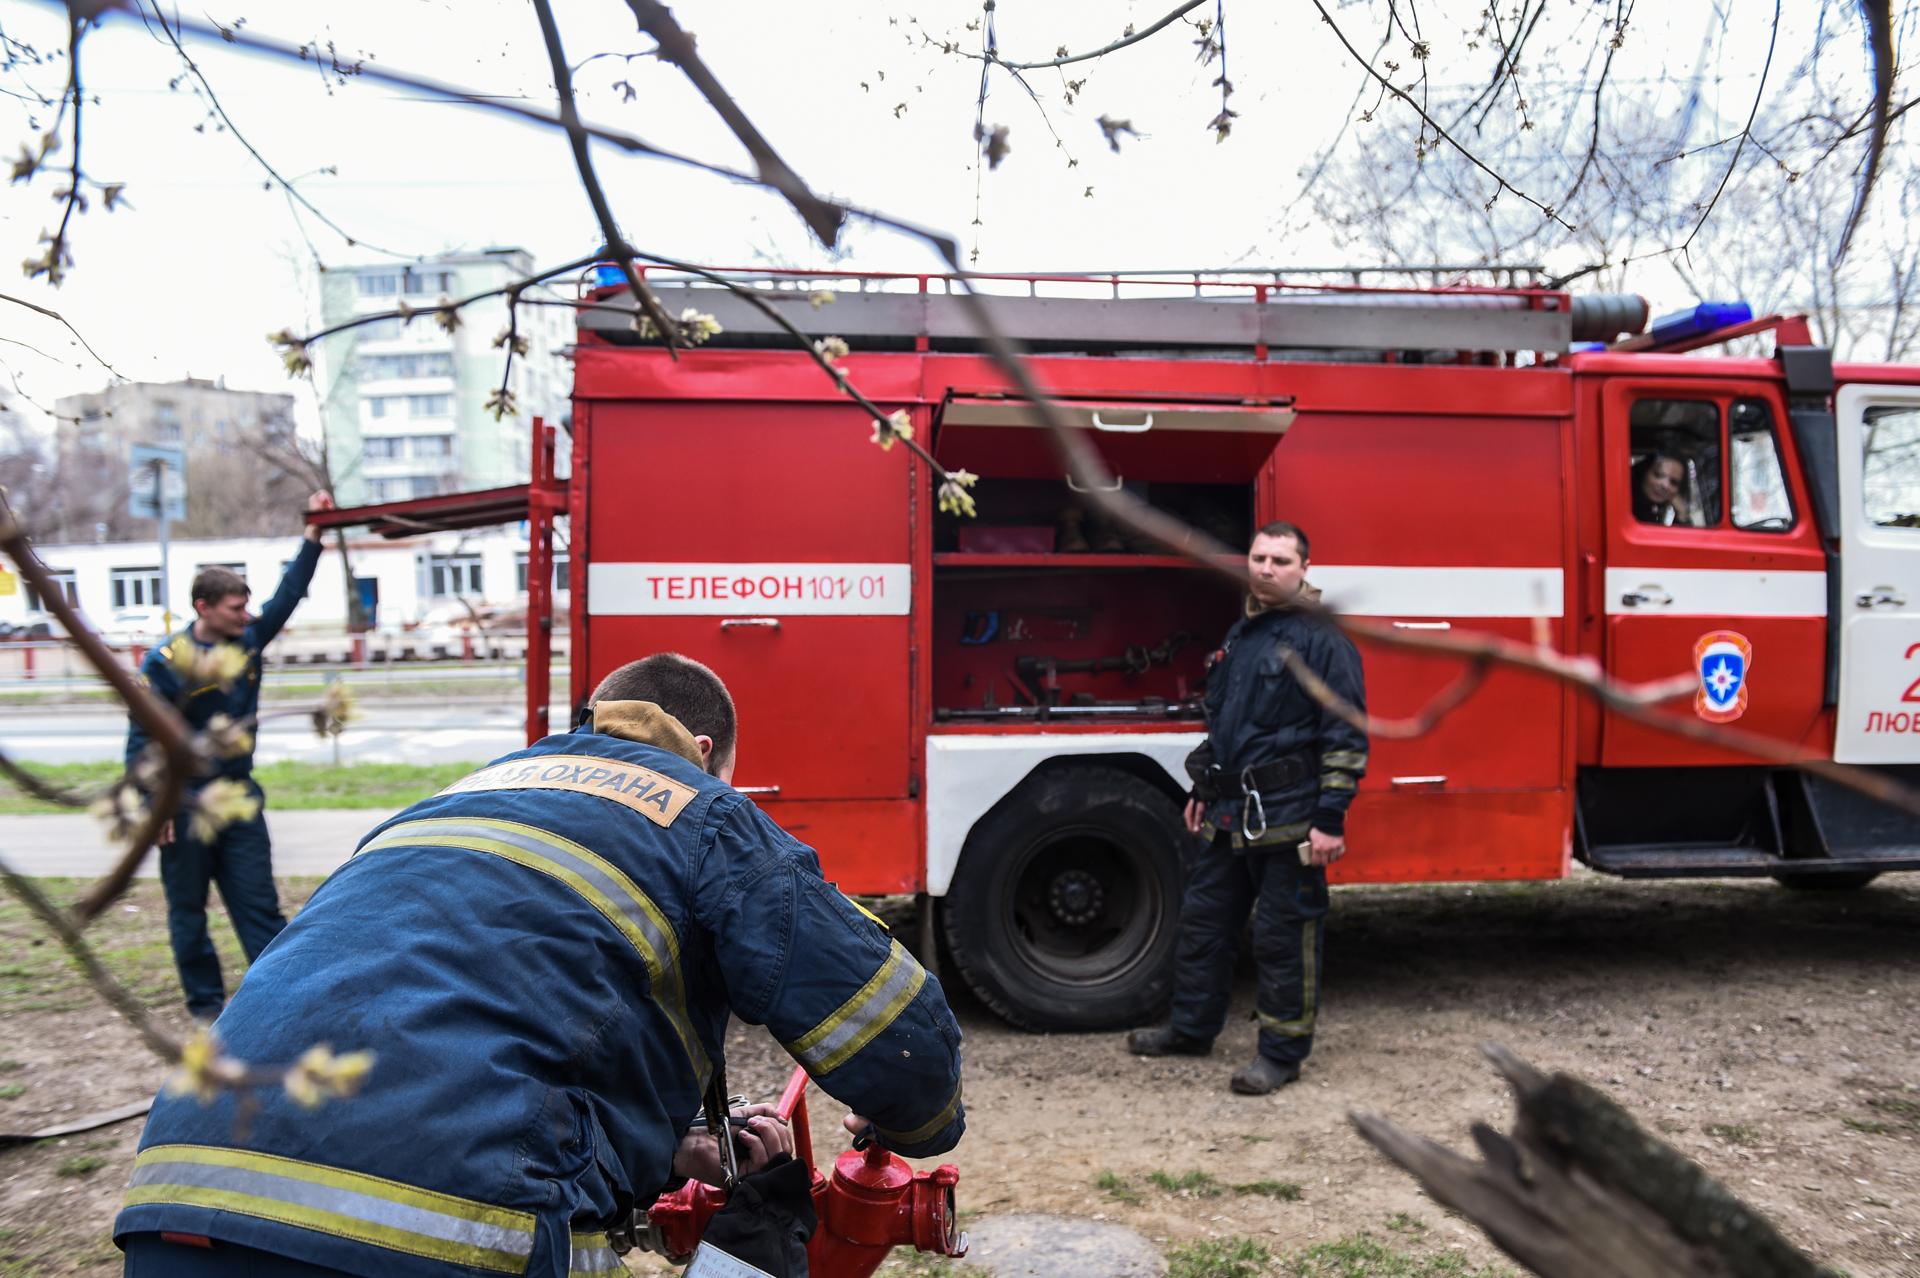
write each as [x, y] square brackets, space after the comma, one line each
[1273, 781]
[542, 959]
[238, 857]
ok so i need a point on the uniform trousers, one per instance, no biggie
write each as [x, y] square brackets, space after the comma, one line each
[152, 1256]
[240, 859]
[1288, 902]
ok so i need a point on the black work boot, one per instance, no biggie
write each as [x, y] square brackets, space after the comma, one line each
[1262, 1077]
[1165, 1040]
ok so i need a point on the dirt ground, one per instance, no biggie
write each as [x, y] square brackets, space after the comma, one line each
[1773, 1036]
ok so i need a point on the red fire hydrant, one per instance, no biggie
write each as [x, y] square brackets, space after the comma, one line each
[871, 1204]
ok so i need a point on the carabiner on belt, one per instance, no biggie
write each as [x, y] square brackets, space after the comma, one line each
[1251, 808]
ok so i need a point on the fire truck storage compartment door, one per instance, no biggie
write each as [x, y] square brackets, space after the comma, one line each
[1172, 442]
[770, 542]
[1739, 601]
[1879, 596]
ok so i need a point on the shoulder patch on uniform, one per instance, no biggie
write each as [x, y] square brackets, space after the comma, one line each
[654, 795]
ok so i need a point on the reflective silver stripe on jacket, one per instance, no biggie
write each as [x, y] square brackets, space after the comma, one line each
[331, 1200]
[855, 1023]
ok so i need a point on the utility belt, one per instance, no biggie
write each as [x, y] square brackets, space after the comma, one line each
[1218, 785]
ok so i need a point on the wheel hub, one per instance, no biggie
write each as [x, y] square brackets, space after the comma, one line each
[1075, 897]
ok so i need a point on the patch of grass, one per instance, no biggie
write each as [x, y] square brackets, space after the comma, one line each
[80, 1165]
[1401, 1223]
[1218, 1258]
[13, 1091]
[1904, 1113]
[1286, 1191]
[1871, 1126]
[1733, 1133]
[289, 784]
[904, 1263]
[1116, 1187]
[11, 1067]
[1364, 1256]
[130, 938]
[1198, 1183]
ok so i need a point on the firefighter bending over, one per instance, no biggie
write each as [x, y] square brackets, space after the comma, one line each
[1273, 781]
[542, 959]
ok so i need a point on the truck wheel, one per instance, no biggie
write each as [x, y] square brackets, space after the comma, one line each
[1065, 905]
[1827, 882]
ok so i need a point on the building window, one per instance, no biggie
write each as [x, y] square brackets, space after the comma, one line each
[425, 485]
[136, 587]
[374, 368]
[450, 575]
[238, 570]
[63, 579]
[562, 572]
[384, 490]
[429, 405]
[431, 445]
[379, 284]
[381, 448]
[381, 330]
[429, 282]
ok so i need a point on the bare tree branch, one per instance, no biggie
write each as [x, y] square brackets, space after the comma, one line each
[68, 325]
[617, 247]
[1132, 38]
[1879, 16]
[292, 192]
[1389, 87]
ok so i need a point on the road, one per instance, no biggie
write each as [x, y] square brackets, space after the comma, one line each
[424, 730]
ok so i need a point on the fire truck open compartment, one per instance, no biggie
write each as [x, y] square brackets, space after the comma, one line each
[1042, 611]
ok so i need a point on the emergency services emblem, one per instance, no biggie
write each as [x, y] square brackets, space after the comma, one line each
[1722, 659]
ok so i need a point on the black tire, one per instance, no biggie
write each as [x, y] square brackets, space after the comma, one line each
[1851, 881]
[1065, 905]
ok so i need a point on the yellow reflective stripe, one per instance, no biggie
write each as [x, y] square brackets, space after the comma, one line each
[876, 1005]
[345, 1204]
[601, 883]
[1337, 781]
[929, 1128]
[1347, 760]
[1309, 1000]
[594, 1256]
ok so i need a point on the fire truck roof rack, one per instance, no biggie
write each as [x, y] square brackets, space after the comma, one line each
[1192, 313]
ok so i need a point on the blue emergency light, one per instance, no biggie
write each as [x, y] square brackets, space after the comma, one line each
[606, 274]
[1707, 317]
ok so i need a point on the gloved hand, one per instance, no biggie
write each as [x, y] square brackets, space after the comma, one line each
[767, 1221]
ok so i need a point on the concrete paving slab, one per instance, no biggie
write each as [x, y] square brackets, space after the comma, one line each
[306, 842]
[1034, 1246]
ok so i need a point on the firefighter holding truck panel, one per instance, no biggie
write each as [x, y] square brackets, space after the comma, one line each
[542, 959]
[1273, 780]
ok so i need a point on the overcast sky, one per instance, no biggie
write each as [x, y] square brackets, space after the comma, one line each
[205, 262]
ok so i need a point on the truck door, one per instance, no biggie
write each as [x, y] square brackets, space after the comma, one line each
[1713, 563]
[769, 540]
[1879, 448]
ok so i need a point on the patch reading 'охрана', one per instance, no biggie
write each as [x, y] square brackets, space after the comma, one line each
[654, 796]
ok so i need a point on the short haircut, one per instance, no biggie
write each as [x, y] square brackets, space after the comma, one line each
[683, 688]
[1281, 528]
[215, 584]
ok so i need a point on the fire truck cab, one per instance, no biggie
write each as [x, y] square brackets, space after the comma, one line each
[993, 712]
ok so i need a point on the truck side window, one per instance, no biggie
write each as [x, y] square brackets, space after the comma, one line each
[1759, 499]
[1676, 462]
[1890, 482]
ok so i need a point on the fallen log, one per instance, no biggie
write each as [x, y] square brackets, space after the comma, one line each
[1580, 1190]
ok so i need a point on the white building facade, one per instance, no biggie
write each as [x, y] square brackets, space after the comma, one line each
[428, 580]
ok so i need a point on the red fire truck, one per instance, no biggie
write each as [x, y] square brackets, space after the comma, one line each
[993, 712]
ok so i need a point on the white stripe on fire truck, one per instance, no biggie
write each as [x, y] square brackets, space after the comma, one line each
[1715, 592]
